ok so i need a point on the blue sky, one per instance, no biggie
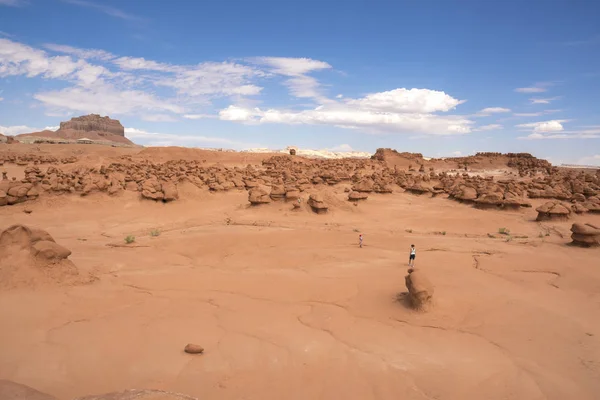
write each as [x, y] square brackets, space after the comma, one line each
[438, 77]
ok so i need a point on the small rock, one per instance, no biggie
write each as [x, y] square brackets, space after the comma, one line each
[194, 349]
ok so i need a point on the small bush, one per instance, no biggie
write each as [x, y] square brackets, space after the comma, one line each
[503, 231]
[154, 233]
[444, 233]
[130, 239]
[409, 230]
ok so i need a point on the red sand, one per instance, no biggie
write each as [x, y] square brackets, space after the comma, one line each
[287, 306]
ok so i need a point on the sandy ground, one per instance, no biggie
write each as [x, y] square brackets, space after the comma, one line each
[288, 307]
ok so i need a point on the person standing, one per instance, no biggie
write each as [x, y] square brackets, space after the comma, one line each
[360, 240]
[412, 256]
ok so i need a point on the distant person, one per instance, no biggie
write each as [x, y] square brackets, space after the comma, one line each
[360, 240]
[412, 256]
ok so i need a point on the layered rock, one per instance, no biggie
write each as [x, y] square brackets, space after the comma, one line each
[585, 235]
[94, 123]
[553, 210]
[317, 203]
[357, 196]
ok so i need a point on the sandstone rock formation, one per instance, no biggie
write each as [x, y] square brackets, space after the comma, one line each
[92, 127]
[94, 123]
[585, 235]
[259, 195]
[29, 255]
[420, 288]
[553, 210]
[357, 196]
[316, 202]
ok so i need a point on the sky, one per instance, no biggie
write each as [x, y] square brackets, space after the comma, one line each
[439, 77]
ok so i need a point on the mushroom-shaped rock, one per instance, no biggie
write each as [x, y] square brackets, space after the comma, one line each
[553, 210]
[259, 195]
[418, 189]
[357, 196]
[365, 185]
[292, 195]
[278, 192]
[316, 202]
[464, 193]
[578, 208]
[420, 288]
[490, 200]
[585, 235]
[170, 191]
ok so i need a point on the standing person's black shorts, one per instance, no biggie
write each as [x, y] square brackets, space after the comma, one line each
[411, 257]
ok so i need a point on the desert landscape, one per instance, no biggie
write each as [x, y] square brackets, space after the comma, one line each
[238, 275]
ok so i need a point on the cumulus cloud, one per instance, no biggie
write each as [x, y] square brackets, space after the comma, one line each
[167, 139]
[406, 101]
[545, 126]
[99, 82]
[352, 117]
[16, 130]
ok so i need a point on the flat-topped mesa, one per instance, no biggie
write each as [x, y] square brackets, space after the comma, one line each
[94, 122]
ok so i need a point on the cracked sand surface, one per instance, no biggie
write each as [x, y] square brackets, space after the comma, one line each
[287, 306]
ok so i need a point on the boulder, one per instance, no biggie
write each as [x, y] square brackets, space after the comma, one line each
[316, 202]
[170, 191]
[585, 235]
[357, 196]
[365, 185]
[578, 208]
[259, 195]
[420, 288]
[553, 210]
[193, 349]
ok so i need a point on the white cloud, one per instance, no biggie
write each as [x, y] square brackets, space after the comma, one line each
[1, 98]
[539, 87]
[81, 53]
[137, 63]
[545, 126]
[343, 116]
[494, 110]
[491, 127]
[586, 133]
[16, 130]
[299, 83]
[20, 59]
[339, 96]
[406, 101]
[51, 128]
[543, 100]
[106, 100]
[112, 11]
[530, 90]
[167, 139]
[457, 153]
